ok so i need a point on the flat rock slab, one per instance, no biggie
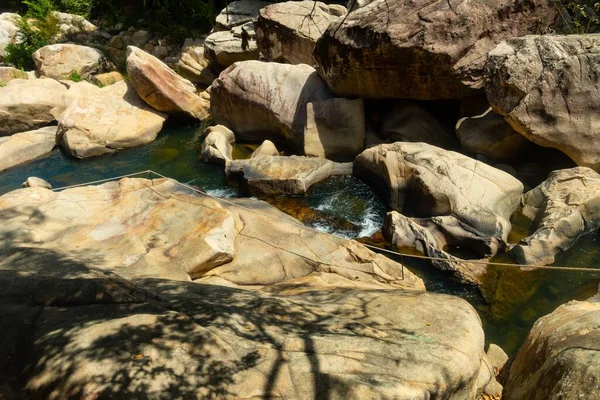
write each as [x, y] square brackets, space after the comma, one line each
[26, 146]
[279, 175]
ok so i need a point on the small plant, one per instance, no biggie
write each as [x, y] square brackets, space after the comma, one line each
[580, 16]
[2, 84]
[78, 7]
[75, 77]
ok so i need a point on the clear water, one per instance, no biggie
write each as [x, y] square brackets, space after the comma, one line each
[344, 206]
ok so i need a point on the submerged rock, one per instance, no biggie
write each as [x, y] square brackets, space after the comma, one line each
[287, 32]
[559, 359]
[278, 175]
[94, 121]
[261, 101]
[546, 87]
[26, 104]
[26, 146]
[489, 134]
[421, 49]
[564, 208]
[61, 61]
[162, 88]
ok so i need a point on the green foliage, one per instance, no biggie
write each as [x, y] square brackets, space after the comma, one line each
[2, 84]
[78, 7]
[580, 16]
[39, 9]
[33, 34]
[75, 77]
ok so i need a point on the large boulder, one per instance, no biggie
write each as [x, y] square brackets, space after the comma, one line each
[546, 88]
[193, 65]
[216, 148]
[8, 30]
[238, 13]
[563, 208]
[489, 134]
[559, 359]
[94, 121]
[162, 88]
[279, 175]
[61, 61]
[422, 49]
[339, 139]
[26, 146]
[26, 104]
[223, 48]
[260, 100]
[72, 26]
[287, 32]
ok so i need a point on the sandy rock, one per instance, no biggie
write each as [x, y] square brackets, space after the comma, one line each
[71, 25]
[109, 78]
[238, 13]
[222, 49]
[59, 61]
[266, 149]
[26, 104]
[26, 146]
[421, 49]
[489, 134]
[193, 66]
[7, 74]
[261, 101]
[335, 129]
[216, 148]
[94, 121]
[162, 88]
[559, 359]
[222, 130]
[278, 175]
[288, 31]
[564, 208]
[545, 87]
[34, 182]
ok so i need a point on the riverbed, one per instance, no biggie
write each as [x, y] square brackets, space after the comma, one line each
[347, 207]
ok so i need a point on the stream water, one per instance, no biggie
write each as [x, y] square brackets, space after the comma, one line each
[345, 206]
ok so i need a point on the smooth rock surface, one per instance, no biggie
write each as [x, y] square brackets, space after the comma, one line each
[489, 134]
[422, 49]
[335, 129]
[193, 65]
[559, 359]
[71, 25]
[9, 73]
[261, 101]
[109, 78]
[33, 181]
[8, 30]
[26, 104]
[267, 148]
[287, 32]
[565, 207]
[26, 146]
[216, 148]
[238, 13]
[279, 175]
[94, 121]
[222, 49]
[162, 88]
[547, 89]
[60, 61]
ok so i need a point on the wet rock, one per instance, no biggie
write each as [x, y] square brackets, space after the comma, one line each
[489, 134]
[266, 149]
[33, 182]
[216, 148]
[424, 181]
[559, 359]
[7, 74]
[94, 121]
[287, 32]
[193, 65]
[261, 101]
[26, 146]
[421, 49]
[545, 86]
[238, 13]
[162, 88]
[406, 121]
[564, 208]
[26, 104]
[278, 175]
[109, 78]
[222, 49]
[339, 139]
[60, 61]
